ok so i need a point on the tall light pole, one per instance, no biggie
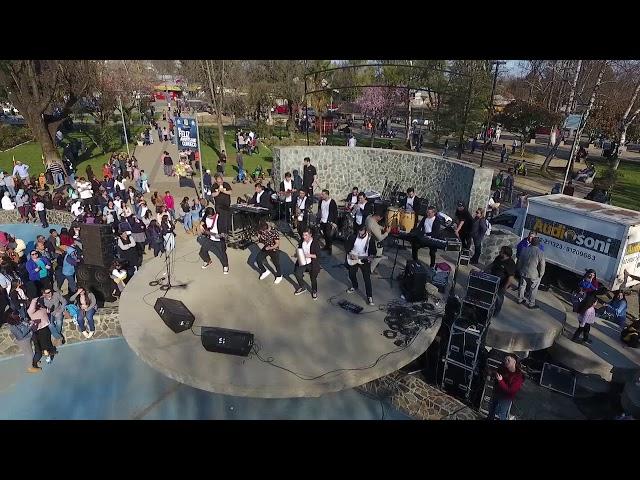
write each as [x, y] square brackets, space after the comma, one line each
[490, 111]
[124, 126]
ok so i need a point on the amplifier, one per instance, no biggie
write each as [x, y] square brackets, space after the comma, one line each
[224, 340]
[453, 246]
[478, 313]
[482, 288]
[174, 314]
[465, 342]
[465, 256]
[457, 380]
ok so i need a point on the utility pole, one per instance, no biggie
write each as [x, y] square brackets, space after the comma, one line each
[490, 111]
[124, 126]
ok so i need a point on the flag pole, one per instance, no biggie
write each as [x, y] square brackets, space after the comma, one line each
[200, 156]
[124, 127]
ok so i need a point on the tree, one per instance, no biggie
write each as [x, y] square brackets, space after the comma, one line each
[523, 118]
[45, 91]
[380, 102]
[213, 75]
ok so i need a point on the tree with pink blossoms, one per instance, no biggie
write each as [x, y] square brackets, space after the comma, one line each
[380, 102]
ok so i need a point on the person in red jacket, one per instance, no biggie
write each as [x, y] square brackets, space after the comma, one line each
[509, 379]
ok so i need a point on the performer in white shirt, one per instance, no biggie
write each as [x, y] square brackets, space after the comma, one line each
[212, 239]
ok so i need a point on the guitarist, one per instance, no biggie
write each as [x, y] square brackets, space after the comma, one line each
[430, 226]
[362, 248]
[214, 230]
[327, 218]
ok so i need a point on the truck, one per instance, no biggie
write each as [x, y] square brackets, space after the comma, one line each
[578, 235]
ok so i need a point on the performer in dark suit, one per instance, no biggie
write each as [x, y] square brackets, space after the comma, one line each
[311, 253]
[412, 203]
[302, 211]
[328, 218]
[430, 226]
[360, 247]
[352, 198]
[361, 211]
[288, 194]
[261, 198]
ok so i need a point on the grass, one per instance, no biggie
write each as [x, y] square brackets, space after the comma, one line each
[626, 192]
[209, 147]
[31, 153]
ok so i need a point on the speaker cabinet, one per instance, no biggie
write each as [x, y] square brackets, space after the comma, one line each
[98, 244]
[174, 314]
[224, 340]
[97, 280]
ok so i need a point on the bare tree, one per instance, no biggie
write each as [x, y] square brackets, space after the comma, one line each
[45, 91]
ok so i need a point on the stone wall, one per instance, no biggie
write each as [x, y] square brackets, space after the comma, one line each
[441, 181]
[418, 399]
[106, 321]
[55, 217]
[492, 244]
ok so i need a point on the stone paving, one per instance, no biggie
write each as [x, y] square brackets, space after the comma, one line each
[418, 399]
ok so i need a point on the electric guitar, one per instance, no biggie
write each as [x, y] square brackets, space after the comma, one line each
[361, 259]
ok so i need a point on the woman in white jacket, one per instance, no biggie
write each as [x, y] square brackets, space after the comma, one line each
[7, 203]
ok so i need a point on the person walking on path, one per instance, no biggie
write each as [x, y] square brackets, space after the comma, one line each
[446, 148]
[531, 265]
[503, 152]
[514, 145]
[167, 163]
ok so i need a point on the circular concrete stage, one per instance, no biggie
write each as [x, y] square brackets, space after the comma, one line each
[306, 336]
[519, 329]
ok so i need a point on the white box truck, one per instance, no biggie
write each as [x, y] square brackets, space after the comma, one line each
[580, 234]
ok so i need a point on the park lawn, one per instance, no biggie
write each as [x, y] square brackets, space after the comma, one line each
[626, 192]
[31, 153]
[209, 139]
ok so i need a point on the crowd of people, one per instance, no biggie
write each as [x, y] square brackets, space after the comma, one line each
[34, 301]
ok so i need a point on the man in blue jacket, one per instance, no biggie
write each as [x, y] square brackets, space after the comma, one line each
[525, 242]
[71, 260]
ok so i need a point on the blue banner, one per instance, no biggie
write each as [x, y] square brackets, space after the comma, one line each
[186, 133]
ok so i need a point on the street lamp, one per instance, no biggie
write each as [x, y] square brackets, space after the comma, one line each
[490, 112]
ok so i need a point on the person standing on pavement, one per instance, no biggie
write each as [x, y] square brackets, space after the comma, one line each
[21, 333]
[503, 267]
[240, 161]
[509, 380]
[309, 177]
[465, 224]
[508, 186]
[514, 145]
[586, 317]
[525, 242]
[446, 148]
[569, 189]
[531, 266]
[478, 232]
[503, 152]
[167, 162]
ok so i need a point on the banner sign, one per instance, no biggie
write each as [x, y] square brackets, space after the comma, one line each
[186, 133]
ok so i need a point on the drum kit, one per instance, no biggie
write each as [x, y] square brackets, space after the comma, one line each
[400, 220]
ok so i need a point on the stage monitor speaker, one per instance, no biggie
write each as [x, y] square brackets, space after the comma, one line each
[174, 314]
[465, 342]
[414, 282]
[224, 340]
[98, 244]
[97, 280]
[457, 380]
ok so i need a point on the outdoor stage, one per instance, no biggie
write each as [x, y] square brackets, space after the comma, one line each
[295, 332]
